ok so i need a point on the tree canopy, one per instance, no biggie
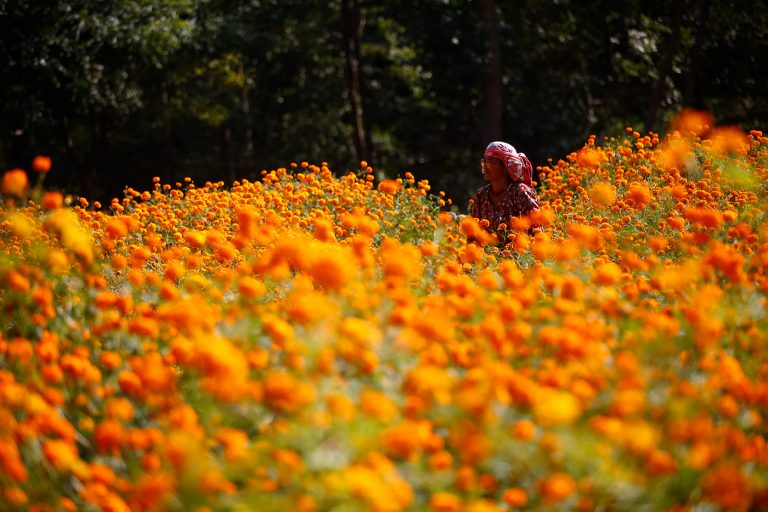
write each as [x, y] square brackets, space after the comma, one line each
[118, 92]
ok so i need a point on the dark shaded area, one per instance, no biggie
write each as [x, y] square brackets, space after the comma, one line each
[118, 92]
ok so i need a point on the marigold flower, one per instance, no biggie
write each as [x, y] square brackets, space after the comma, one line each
[690, 121]
[729, 139]
[639, 194]
[390, 187]
[445, 502]
[608, 273]
[41, 164]
[602, 194]
[15, 183]
[60, 454]
[332, 268]
[52, 200]
[556, 487]
[555, 408]
[515, 497]
[285, 393]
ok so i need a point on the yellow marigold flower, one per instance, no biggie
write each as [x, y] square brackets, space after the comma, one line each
[551, 408]
[60, 454]
[195, 239]
[21, 224]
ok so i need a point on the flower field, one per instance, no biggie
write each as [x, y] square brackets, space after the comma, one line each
[314, 342]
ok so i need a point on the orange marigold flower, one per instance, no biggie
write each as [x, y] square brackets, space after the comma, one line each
[660, 462]
[389, 186]
[608, 273]
[332, 268]
[524, 430]
[515, 497]
[323, 230]
[10, 460]
[285, 393]
[444, 502]
[251, 287]
[15, 183]
[109, 436]
[376, 404]
[52, 200]
[692, 122]
[41, 164]
[729, 139]
[235, 442]
[726, 486]
[601, 194]
[639, 194]
[556, 487]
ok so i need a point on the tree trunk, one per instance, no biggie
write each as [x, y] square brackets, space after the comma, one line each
[492, 86]
[246, 107]
[692, 93]
[226, 153]
[69, 144]
[88, 172]
[167, 150]
[665, 66]
[589, 99]
[353, 24]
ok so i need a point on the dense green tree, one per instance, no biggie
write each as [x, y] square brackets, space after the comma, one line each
[120, 91]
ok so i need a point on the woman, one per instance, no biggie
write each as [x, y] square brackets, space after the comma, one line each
[509, 192]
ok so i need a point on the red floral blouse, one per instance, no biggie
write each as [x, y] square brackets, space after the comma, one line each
[519, 199]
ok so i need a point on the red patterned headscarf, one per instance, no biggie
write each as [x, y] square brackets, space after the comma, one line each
[518, 166]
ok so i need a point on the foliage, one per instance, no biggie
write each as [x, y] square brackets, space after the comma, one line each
[218, 89]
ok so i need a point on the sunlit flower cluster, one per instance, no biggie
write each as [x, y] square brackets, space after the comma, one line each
[318, 342]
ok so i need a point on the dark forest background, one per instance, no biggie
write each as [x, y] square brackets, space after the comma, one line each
[119, 91]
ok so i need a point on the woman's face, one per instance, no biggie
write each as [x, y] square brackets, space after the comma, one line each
[493, 169]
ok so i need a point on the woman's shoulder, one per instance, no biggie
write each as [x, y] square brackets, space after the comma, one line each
[483, 190]
[519, 187]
